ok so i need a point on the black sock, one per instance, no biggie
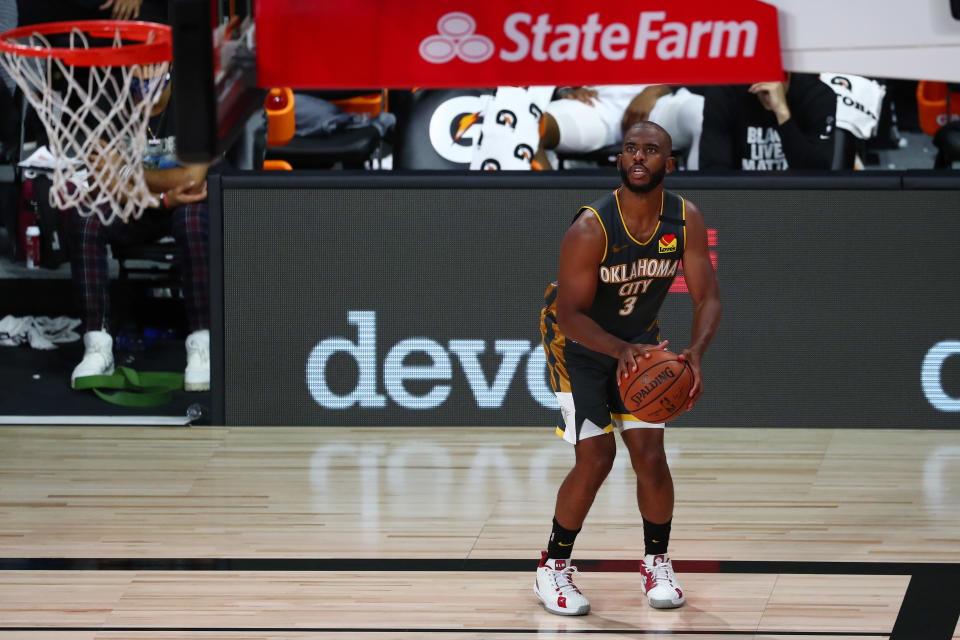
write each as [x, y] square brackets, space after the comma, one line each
[656, 537]
[561, 542]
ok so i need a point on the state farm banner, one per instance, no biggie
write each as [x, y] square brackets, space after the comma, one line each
[451, 43]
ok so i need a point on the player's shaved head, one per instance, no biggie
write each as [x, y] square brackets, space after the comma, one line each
[646, 125]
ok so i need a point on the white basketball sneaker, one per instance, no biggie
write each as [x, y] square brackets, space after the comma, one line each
[196, 377]
[554, 586]
[97, 356]
[660, 582]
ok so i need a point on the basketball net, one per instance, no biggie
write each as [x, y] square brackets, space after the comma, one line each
[96, 128]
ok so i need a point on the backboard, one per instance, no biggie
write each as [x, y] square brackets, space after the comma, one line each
[214, 75]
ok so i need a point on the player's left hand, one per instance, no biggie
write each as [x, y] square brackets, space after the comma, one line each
[631, 355]
[693, 359]
[123, 9]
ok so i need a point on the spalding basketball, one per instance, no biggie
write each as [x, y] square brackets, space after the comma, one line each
[658, 391]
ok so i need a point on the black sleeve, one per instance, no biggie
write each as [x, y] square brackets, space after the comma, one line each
[808, 135]
[717, 144]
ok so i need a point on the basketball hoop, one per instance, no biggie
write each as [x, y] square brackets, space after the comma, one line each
[97, 128]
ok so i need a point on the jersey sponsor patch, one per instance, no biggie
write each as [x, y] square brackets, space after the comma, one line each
[668, 243]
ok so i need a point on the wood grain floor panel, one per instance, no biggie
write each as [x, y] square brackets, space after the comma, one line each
[432, 600]
[802, 495]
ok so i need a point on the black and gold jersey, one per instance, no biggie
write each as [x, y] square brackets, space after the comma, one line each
[635, 274]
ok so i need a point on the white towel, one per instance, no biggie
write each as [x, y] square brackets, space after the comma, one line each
[859, 101]
[510, 132]
[40, 332]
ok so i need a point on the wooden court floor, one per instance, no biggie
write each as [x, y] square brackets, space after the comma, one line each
[316, 533]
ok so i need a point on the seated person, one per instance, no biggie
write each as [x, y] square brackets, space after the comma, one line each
[769, 126]
[182, 212]
[585, 119]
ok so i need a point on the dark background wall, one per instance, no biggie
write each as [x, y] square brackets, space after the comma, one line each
[371, 302]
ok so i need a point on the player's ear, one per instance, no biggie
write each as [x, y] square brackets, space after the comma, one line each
[671, 164]
[620, 160]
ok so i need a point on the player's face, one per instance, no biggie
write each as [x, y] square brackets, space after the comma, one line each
[645, 159]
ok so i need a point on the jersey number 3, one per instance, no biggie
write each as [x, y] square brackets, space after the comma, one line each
[628, 304]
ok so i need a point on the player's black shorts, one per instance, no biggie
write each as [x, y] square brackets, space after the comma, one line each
[585, 382]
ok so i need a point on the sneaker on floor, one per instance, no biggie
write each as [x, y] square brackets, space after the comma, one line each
[97, 357]
[554, 586]
[660, 582]
[197, 375]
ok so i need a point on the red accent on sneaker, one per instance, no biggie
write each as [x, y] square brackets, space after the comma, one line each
[562, 601]
[559, 565]
[543, 559]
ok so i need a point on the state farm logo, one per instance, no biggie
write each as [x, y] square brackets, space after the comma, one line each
[456, 40]
[652, 34]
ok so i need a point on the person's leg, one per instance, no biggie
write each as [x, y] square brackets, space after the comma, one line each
[572, 126]
[90, 273]
[89, 270]
[655, 499]
[190, 227]
[681, 114]
[594, 459]
[654, 482]
[554, 584]
[91, 285]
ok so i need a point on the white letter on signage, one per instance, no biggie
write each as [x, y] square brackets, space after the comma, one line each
[734, 29]
[614, 35]
[364, 352]
[645, 34]
[930, 375]
[540, 29]
[510, 30]
[566, 44]
[395, 373]
[537, 380]
[489, 396]
[590, 29]
[698, 30]
[674, 41]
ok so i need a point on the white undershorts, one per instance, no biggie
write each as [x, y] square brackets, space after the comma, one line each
[568, 431]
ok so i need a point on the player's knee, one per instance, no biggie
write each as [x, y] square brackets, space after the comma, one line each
[549, 132]
[597, 461]
[649, 463]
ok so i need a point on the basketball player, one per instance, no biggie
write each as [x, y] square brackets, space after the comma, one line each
[617, 261]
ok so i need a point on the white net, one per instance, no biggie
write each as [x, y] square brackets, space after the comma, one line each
[96, 127]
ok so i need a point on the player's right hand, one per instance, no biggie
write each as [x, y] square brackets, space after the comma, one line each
[183, 194]
[631, 355]
[582, 94]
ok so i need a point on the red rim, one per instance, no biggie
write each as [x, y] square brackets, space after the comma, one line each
[155, 52]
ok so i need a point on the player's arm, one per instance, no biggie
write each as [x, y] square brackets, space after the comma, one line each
[702, 284]
[642, 105]
[581, 253]
[160, 180]
[180, 185]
